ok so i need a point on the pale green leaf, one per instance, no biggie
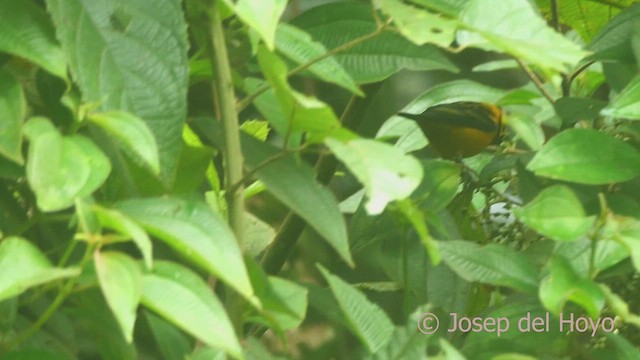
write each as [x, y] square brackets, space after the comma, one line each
[12, 113]
[262, 16]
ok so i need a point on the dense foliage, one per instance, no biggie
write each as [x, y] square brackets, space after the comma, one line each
[208, 179]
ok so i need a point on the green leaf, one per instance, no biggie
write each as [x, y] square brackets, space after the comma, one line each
[293, 183]
[256, 128]
[627, 103]
[365, 319]
[496, 65]
[180, 296]
[564, 284]
[389, 175]
[26, 31]
[407, 342]
[132, 134]
[624, 350]
[285, 302]
[453, 91]
[62, 168]
[172, 343]
[298, 46]
[500, 29]
[448, 7]
[23, 266]
[572, 156]
[618, 31]
[120, 280]
[117, 221]
[573, 109]
[112, 69]
[261, 16]
[374, 60]
[12, 112]
[493, 264]
[197, 233]
[439, 185]
[557, 213]
[418, 25]
[627, 232]
[418, 221]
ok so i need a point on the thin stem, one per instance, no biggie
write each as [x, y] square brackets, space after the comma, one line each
[600, 223]
[346, 46]
[536, 80]
[554, 15]
[223, 88]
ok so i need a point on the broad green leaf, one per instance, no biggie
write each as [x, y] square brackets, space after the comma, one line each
[500, 29]
[268, 105]
[172, 343]
[439, 184]
[564, 284]
[12, 112]
[410, 137]
[573, 109]
[493, 264]
[180, 296]
[572, 156]
[453, 91]
[496, 65]
[26, 31]
[132, 134]
[112, 69]
[624, 350]
[580, 254]
[297, 45]
[365, 319]
[389, 175]
[585, 17]
[261, 16]
[35, 354]
[23, 266]
[117, 221]
[451, 353]
[557, 213]
[62, 168]
[206, 353]
[618, 31]
[526, 128]
[197, 233]
[418, 25]
[447, 7]
[376, 59]
[627, 232]
[120, 280]
[303, 113]
[627, 103]
[293, 183]
[257, 235]
[407, 342]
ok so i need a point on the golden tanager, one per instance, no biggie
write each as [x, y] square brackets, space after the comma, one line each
[460, 129]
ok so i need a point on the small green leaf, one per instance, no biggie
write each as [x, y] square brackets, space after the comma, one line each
[366, 320]
[12, 112]
[389, 175]
[62, 168]
[261, 16]
[627, 103]
[120, 280]
[453, 91]
[572, 156]
[297, 45]
[557, 213]
[183, 298]
[500, 28]
[493, 264]
[564, 284]
[196, 232]
[26, 31]
[256, 128]
[439, 185]
[132, 134]
[117, 221]
[23, 266]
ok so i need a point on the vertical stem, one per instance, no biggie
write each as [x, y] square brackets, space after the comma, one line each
[223, 88]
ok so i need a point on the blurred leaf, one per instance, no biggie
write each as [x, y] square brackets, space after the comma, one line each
[256, 128]
[197, 233]
[23, 266]
[573, 109]
[572, 156]
[582, 258]
[418, 221]
[297, 45]
[453, 91]
[564, 284]
[496, 65]
[499, 28]
[12, 112]
[627, 232]
[410, 137]
[493, 264]
[627, 103]
[557, 213]
[624, 350]
[337, 23]
[619, 306]
[180, 296]
[172, 343]
[418, 25]
[448, 7]
[407, 342]
[366, 320]
[62, 168]
[113, 70]
[34, 354]
[388, 176]
[206, 353]
[120, 280]
[132, 134]
[293, 183]
[261, 16]
[616, 32]
[439, 184]
[450, 352]
[26, 31]
[526, 129]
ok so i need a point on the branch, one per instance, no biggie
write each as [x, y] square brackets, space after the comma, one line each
[536, 80]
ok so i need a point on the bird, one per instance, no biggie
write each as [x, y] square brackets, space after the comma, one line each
[460, 129]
